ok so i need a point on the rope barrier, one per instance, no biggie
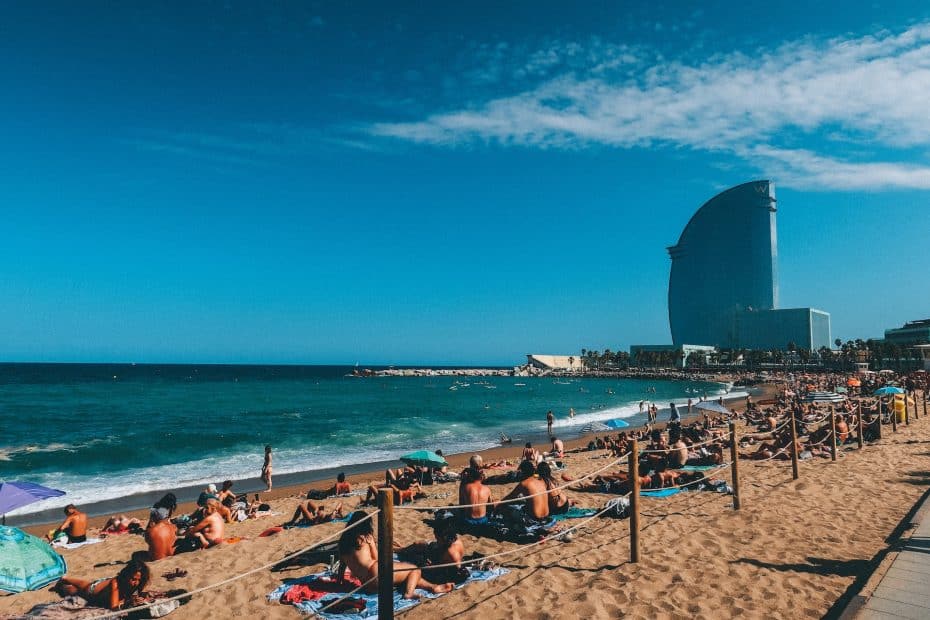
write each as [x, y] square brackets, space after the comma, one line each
[522, 497]
[115, 614]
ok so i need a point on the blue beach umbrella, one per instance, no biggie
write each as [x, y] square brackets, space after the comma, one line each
[888, 389]
[16, 493]
[424, 458]
[27, 562]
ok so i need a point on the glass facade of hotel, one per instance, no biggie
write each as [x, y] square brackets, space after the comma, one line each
[723, 288]
[723, 263]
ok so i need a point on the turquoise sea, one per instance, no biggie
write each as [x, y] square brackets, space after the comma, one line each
[102, 431]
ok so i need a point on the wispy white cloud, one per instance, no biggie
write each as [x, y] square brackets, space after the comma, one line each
[824, 95]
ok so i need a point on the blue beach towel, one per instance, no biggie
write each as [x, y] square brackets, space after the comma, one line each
[344, 519]
[698, 467]
[660, 493]
[576, 513]
[371, 600]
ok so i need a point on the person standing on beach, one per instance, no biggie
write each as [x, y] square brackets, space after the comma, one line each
[674, 417]
[266, 468]
[550, 418]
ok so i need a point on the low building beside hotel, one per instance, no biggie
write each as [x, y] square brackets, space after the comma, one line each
[913, 332]
[680, 354]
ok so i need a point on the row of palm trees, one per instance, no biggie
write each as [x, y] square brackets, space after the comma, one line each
[878, 354]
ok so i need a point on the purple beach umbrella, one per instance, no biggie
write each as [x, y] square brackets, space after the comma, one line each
[17, 493]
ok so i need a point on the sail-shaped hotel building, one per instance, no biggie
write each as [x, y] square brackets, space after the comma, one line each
[723, 287]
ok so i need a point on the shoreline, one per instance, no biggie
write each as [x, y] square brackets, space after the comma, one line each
[360, 475]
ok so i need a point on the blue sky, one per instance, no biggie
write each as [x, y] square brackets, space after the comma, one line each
[408, 183]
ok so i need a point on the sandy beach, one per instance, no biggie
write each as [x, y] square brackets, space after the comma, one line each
[796, 549]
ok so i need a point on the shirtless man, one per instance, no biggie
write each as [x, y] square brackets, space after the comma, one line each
[678, 456]
[313, 514]
[842, 430]
[161, 536]
[74, 525]
[210, 531]
[474, 491]
[550, 418]
[558, 448]
[534, 489]
[358, 551]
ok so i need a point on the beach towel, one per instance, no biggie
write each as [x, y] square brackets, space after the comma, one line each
[68, 608]
[659, 493]
[698, 467]
[575, 513]
[370, 609]
[70, 545]
[301, 525]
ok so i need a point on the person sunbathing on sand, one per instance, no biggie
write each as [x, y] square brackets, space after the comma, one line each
[448, 550]
[110, 593]
[358, 551]
[120, 525]
[534, 489]
[472, 490]
[210, 531]
[161, 536]
[313, 514]
[558, 501]
[74, 525]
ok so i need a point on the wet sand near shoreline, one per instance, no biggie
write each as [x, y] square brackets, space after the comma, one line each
[794, 550]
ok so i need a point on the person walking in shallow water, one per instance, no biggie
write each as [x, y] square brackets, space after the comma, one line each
[266, 468]
[550, 418]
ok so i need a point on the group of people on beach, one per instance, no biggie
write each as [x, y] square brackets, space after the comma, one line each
[674, 456]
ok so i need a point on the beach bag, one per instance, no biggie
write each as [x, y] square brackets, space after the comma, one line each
[619, 507]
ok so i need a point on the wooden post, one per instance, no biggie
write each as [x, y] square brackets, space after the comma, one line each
[907, 411]
[916, 416]
[878, 429]
[634, 502]
[894, 416]
[734, 455]
[833, 433]
[925, 403]
[794, 448]
[386, 554]
[860, 438]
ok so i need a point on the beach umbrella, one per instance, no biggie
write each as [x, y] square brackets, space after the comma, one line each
[424, 458]
[17, 493]
[888, 389]
[27, 562]
[712, 406]
[823, 397]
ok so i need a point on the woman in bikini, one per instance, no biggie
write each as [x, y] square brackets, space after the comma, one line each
[266, 468]
[558, 502]
[358, 551]
[111, 593]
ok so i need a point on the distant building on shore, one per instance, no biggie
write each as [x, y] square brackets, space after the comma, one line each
[723, 286]
[913, 332]
[572, 363]
[679, 354]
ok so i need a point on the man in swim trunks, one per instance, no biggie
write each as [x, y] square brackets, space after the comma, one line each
[161, 536]
[74, 525]
[358, 551]
[474, 491]
[534, 489]
[550, 418]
